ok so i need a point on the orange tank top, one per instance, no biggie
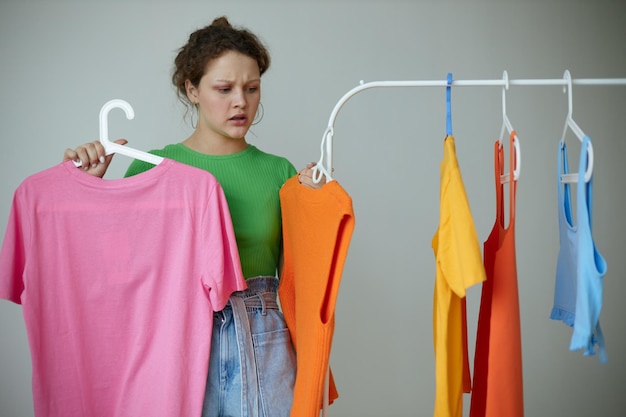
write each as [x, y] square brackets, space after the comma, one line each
[317, 228]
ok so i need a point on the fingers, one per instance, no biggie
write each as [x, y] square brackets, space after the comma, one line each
[92, 157]
[89, 154]
[306, 172]
[70, 154]
[305, 177]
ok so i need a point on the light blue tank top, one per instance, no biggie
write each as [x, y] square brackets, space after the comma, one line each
[580, 267]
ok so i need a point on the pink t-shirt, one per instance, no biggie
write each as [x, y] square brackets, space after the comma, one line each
[118, 280]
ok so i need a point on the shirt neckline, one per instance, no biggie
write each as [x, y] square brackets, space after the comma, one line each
[92, 181]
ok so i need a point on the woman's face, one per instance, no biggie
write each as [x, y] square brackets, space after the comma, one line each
[228, 95]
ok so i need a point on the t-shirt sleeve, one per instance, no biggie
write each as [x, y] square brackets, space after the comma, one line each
[223, 268]
[13, 254]
[459, 254]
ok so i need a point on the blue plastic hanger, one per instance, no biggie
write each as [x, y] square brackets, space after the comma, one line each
[449, 106]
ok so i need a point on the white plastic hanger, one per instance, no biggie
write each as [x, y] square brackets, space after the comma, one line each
[571, 124]
[506, 124]
[319, 170]
[112, 147]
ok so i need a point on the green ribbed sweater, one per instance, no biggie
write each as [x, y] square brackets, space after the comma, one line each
[251, 180]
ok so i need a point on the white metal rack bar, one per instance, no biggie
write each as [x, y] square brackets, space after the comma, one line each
[327, 139]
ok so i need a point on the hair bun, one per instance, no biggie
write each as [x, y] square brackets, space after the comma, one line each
[221, 22]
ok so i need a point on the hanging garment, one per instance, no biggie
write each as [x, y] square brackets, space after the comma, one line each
[317, 228]
[458, 266]
[498, 383]
[118, 281]
[580, 267]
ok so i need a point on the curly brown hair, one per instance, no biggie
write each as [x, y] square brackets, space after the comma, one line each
[209, 43]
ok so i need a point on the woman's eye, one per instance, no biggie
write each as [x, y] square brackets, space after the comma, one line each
[223, 89]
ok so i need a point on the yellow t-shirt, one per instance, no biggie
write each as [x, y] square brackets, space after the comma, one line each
[459, 265]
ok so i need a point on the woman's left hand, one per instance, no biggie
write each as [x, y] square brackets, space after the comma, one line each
[305, 176]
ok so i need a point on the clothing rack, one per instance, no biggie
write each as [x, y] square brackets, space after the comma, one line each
[325, 164]
[325, 168]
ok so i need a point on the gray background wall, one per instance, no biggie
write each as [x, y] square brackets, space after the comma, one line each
[61, 61]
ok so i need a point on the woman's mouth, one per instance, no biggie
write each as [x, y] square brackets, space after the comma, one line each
[239, 119]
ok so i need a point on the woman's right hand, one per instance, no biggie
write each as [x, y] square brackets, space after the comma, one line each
[92, 157]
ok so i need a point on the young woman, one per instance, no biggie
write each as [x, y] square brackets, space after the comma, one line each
[218, 77]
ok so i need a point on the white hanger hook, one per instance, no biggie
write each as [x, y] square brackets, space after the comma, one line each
[505, 78]
[112, 147]
[505, 120]
[569, 122]
[320, 170]
[104, 122]
[567, 88]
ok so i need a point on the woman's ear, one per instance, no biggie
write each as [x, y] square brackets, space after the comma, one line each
[192, 92]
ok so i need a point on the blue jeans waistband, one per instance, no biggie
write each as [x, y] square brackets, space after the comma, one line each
[260, 294]
[257, 285]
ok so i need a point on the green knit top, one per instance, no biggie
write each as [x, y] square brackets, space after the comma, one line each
[251, 180]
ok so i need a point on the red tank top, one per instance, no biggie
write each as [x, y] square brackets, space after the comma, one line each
[498, 387]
